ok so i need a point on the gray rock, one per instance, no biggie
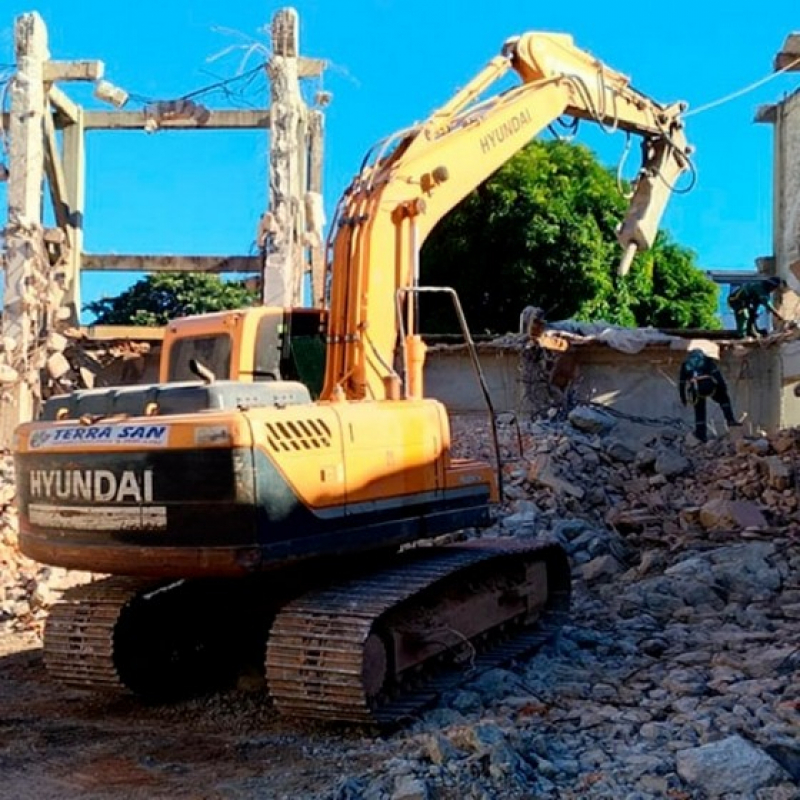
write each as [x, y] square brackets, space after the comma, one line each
[786, 791]
[787, 754]
[727, 766]
[671, 464]
[600, 568]
[570, 529]
[350, 789]
[525, 516]
[619, 451]
[646, 458]
[590, 420]
[665, 595]
[760, 447]
[463, 701]
[442, 717]
[495, 683]
[745, 569]
[654, 786]
[408, 787]
[644, 764]
[438, 749]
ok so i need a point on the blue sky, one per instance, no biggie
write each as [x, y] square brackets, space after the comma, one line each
[392, 62]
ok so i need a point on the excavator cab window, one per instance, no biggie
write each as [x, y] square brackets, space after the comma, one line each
[212, 351]
[269, 338]
[291, 347]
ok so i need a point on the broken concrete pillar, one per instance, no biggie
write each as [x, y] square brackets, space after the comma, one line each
[25, 263]
[283, 249]
[315, 216]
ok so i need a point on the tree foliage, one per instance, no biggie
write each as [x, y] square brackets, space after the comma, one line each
[541, 231]
[158, 298]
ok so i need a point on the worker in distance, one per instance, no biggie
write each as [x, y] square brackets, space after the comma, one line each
[700, 380]
[747, 300]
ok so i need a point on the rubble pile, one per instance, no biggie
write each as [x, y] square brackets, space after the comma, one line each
[676, 674]
[27, 589]
[76, 362]
[70, 359]
[649, 485]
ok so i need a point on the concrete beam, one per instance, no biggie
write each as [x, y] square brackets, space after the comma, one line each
[244, 119]
[788, 58]
[63, 104]
[110, 333]
[54, 169]
[767, 113]
[310, 67]
[733, 276]
[316, 123]
[154, 263]
[73, 70]
[217, 120]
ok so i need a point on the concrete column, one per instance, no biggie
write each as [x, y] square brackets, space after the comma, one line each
[74, 174]
[26, 264]
[283, 249]
[316, 220]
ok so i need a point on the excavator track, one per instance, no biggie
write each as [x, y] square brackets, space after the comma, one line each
[372, 649]
[79, 633]
[161, 640]
[335, 653]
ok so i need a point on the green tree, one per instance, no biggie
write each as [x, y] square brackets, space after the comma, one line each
[541, 231]
[158, 298]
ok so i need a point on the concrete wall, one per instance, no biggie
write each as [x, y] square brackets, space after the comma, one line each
[450, 377]
[786, 188]
[760, 379]
[789, 381]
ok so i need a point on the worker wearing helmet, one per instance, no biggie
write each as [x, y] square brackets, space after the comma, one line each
[700, 380]
[746, 300]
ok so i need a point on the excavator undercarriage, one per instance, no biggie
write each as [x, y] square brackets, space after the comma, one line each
[372, 649]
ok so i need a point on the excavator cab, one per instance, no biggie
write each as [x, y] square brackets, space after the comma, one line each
[249, 345]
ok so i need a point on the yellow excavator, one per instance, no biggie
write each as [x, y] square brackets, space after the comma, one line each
[278, 495]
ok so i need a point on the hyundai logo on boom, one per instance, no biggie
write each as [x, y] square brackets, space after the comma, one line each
[508, 128]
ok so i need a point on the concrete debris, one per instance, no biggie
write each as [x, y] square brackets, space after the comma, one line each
[676, 674]
[8, 374]
[590, 420]
[729, 765]
[721, 512]
[542, 473]
[75, 362]
[27, 589]
[671, 464]
[680, 653]
[57, 366]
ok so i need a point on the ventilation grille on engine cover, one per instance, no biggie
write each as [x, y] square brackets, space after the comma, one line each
[298, 435]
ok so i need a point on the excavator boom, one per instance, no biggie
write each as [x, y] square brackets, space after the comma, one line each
[414, 178]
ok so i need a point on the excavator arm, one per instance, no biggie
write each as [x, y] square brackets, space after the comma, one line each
[410, 181]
